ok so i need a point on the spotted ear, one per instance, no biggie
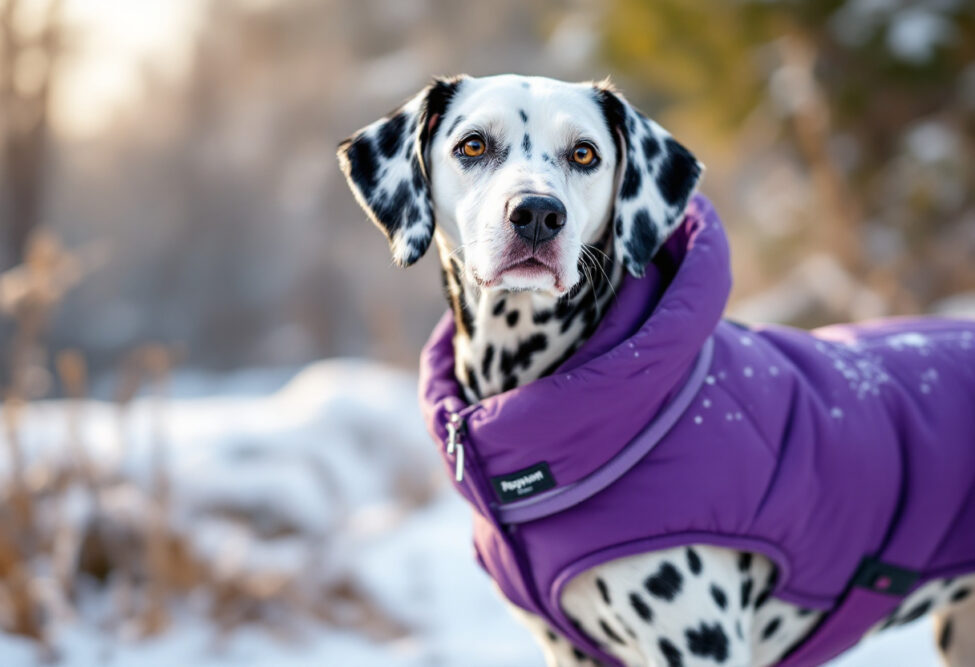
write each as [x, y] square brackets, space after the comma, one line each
[385, 167]
[657, 177]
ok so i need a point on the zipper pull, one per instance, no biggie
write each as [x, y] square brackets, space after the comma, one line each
[454, 446]
[453, 432]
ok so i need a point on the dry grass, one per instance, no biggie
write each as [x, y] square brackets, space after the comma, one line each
[131, 552]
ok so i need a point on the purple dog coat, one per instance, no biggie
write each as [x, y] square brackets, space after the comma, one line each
[845, 455]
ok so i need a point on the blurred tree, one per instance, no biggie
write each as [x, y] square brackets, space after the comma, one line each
[873, 101]
[30, 43]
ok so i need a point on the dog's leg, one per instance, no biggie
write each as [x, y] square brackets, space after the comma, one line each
[687, 606]
[955, 626]
[672, 607]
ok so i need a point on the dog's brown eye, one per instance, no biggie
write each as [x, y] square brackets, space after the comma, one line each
[583, 154]
[473, 147]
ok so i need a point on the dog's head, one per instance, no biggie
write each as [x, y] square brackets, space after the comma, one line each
[516, 174]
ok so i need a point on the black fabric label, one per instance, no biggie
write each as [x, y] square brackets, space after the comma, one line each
[523, 483]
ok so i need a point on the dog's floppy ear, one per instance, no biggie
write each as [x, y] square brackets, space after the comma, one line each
[385, 167]
[657, 178]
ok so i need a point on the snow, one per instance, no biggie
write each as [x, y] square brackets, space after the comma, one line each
[915, 33]
[338, 479]
[930, 142]
[958, 305]
[907, 339]
[909, 646]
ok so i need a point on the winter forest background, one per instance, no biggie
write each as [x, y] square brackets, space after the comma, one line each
[193, 465]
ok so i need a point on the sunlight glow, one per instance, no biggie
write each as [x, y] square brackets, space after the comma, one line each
[113, 43]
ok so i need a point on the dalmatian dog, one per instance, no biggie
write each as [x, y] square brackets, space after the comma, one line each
[539, 195]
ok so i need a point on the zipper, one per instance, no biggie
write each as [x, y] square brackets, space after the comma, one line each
[455, 428]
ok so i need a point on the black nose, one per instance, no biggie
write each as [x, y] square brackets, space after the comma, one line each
[536, 218]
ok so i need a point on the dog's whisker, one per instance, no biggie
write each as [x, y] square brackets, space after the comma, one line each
[588, 251]
[599, 265]
[456, 251]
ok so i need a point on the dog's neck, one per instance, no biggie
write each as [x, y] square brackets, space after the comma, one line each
[507, 339]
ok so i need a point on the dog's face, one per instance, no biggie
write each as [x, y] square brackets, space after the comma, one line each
[516, 174]
[522, 174]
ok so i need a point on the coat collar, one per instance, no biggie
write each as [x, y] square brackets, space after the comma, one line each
[580, 417]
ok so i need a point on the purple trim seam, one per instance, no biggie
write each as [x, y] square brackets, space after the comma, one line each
[561, 498]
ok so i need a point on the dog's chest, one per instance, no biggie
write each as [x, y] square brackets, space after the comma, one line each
[516, 340]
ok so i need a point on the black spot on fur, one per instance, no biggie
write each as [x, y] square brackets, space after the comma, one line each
[389, 208]
[741, 635]
[523, 353]
[890, 620]
[650, 148]
[472, 382]
[720, 598]
[498, 308]
[641, 608]
[524, 116]
[603, 590]
[486, 362]
[770, 628]
[631, 181]
[960, 594]
[619, 226]
[916, 613]
[362, 165]
[391, 134]
[671, 653]
[563, 308]
[513, 318]
[766, 592]
[614, 112]
[551, 635]
[419, 180]
[708, 641]
[642, 241]
[541, 316]
[944, 639]
[546, 158]
[510, 382]
[804, 612]
[439, 96]
[744, 561]
[666, 583]
[678, 174]
[746, 592]
[608, 631]
[693, 561]
[579, 655]
[584, 306]
[526, 145]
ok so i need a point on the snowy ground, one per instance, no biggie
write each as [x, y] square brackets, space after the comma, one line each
[338, 455]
